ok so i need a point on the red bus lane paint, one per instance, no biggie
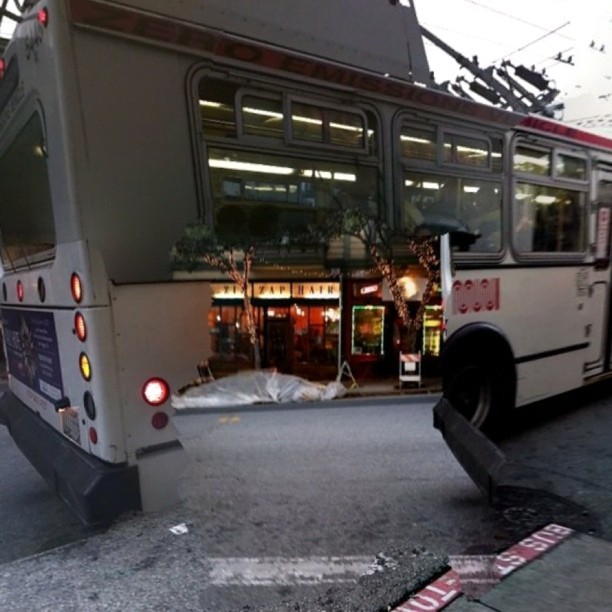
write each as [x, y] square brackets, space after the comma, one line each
[445, 589]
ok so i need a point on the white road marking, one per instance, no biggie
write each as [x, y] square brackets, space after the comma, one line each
[282, 571]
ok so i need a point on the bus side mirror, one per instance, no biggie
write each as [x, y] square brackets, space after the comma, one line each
[462, 240]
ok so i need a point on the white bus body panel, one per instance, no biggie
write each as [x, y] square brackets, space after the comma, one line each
[511, 298]
[172, 318]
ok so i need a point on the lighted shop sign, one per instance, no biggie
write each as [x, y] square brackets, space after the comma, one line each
[316, 291]
[279, 291]
[272, 291]
[369, 289]
[226, 291]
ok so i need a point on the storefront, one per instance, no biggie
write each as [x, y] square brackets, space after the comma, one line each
[303, 326]
[298, 323]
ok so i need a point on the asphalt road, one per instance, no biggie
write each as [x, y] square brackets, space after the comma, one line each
[32, 518]
[343, 506]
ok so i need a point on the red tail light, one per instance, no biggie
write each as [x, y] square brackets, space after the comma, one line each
[76, 288]
[43, 17]
[155, 391]
[160, 420]
[79, 327]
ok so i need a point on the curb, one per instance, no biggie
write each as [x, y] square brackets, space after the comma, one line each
[450, 586]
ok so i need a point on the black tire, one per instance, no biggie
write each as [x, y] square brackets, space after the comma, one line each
[475, 391]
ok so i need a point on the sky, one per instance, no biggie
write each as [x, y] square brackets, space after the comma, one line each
[528, 32]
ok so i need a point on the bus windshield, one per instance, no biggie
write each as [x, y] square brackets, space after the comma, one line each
[27, 229]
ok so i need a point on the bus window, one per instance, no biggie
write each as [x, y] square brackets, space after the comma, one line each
[26, 214]
[568, 166]
[532, 161]
[548, 219]
[466, 151]
[437, 204]
[261, 194]
[262, 116]
[217, 108]
[306, 122]
[326, 125]
[419, 143]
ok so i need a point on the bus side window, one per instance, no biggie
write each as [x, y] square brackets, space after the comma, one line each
[548, 220]
[523, 231]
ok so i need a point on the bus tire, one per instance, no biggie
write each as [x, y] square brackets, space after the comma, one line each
[479, 393]
[479, 379]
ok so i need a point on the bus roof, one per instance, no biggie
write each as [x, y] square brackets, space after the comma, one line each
[378, 36]
[364, 45]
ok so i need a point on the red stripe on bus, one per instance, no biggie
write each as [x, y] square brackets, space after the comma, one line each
[567, 131]
[91, 13]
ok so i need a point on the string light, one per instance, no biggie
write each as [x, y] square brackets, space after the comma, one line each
[199, 245]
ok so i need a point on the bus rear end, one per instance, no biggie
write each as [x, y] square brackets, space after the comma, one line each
[97, 336]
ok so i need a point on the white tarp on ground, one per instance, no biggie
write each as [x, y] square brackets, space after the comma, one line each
[254, 387]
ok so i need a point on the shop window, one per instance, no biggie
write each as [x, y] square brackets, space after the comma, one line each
[229, 334]
[367, 331]
[315, 334]
[432, 330]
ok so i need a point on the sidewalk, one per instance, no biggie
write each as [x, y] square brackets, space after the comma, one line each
[554, 568]
[391, 386]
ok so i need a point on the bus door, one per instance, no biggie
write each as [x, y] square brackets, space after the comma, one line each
[599, 287]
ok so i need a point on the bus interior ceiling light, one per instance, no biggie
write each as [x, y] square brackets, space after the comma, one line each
[156, 391]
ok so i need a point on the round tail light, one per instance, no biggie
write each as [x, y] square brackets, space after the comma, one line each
[155, 391]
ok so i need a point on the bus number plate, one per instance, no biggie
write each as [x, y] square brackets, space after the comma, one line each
[70, 424]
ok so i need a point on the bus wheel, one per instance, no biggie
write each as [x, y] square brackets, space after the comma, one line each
[471, 391]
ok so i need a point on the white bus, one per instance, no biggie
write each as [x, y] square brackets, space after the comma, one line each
[123, 122]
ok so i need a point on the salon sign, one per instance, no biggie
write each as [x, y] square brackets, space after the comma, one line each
[279, 291]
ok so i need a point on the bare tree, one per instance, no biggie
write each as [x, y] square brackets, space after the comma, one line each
[386, 246]
[234, 258]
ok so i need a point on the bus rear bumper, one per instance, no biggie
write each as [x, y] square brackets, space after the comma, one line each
[96, 491]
